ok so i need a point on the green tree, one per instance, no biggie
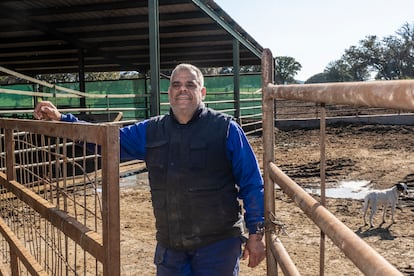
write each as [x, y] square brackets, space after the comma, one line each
[390, 64]
[406, 33]
[387, 59]
[338, 71]
[286, 68]
[318, 78]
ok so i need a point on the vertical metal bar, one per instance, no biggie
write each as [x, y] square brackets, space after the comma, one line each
[14, 263]
[236, 79]
[268, 156]
[154, 45]
[9, 141]
[11, 175]
[110, 199]
[323, 182]
[81, 72]
[147, 101]
[37, 88]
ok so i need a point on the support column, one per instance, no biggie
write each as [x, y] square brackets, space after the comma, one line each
[154, 45]
[236, 79]
[81, 72]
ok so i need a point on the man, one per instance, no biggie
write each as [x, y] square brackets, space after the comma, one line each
[200, 164]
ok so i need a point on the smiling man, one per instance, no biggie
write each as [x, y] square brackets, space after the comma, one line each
[200, 165]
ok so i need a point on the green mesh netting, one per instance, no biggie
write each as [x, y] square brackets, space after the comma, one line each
[219, 88]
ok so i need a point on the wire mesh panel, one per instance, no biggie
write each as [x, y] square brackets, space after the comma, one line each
[59, 198]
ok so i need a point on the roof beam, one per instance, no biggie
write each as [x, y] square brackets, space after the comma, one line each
[210, 12]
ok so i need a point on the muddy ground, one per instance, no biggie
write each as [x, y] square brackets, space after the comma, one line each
[382, 155]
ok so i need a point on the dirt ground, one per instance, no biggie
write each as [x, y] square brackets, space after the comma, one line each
[382, 155]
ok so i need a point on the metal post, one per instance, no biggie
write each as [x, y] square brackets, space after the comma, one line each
[323, 186]
[110, 198]
[154, 48]
[82, 86]
[236, 79]
[268, 156]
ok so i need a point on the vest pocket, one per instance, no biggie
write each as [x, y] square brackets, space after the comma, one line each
[154, 155]
[156, 162]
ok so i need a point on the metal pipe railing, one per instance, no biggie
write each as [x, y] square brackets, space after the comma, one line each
[369, 261]
[397, 94]
[282, 257]
[386, 94]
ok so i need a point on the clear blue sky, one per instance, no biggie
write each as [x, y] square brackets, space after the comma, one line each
[316, 32]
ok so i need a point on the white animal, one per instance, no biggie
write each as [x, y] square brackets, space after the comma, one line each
[385, 198]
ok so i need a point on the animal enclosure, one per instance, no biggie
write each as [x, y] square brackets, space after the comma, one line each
[391, 94]
[59, 199]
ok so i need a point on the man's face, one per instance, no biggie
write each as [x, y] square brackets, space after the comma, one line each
[185, 93]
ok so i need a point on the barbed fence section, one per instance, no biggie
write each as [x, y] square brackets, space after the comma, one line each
[59, 198]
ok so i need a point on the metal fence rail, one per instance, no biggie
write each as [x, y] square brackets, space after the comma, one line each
[59, 198]
[385, 94]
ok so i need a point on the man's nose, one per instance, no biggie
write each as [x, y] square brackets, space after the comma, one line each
[182, 88]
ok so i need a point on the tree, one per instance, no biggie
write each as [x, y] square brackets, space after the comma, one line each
[390, 64]
[388, 59]
[338, 71]
[286, 68]
[406, 32]
[318, 78]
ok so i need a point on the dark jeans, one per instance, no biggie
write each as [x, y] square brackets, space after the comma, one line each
[221, 258]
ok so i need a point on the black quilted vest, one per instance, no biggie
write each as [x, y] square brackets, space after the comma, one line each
[192, 186]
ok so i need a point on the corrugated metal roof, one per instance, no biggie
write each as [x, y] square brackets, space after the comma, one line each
[46, 36]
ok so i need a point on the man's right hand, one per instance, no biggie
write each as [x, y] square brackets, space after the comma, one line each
[45, 110]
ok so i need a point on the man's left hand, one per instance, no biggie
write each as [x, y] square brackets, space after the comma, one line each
[254, 250]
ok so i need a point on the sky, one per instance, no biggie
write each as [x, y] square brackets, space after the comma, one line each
[316, 32]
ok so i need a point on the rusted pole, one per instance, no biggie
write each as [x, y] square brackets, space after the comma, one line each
[369, 261]
[268, 156]
[110, 199]
[322, 125]
[398, 94]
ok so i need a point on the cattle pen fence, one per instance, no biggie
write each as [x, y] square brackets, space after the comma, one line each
[59, 198]
[383, 94]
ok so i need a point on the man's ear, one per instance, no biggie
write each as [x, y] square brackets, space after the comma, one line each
[203, 92]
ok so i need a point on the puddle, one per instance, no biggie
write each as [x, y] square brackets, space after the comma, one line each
[128, 181]
[139, 180]
[345, 189]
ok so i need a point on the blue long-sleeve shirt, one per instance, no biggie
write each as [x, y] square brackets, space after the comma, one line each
[244, 163]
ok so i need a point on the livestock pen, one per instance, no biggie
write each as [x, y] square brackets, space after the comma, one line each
[26, 132]
[386, 94]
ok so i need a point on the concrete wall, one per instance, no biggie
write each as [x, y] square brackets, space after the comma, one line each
[389, 119]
